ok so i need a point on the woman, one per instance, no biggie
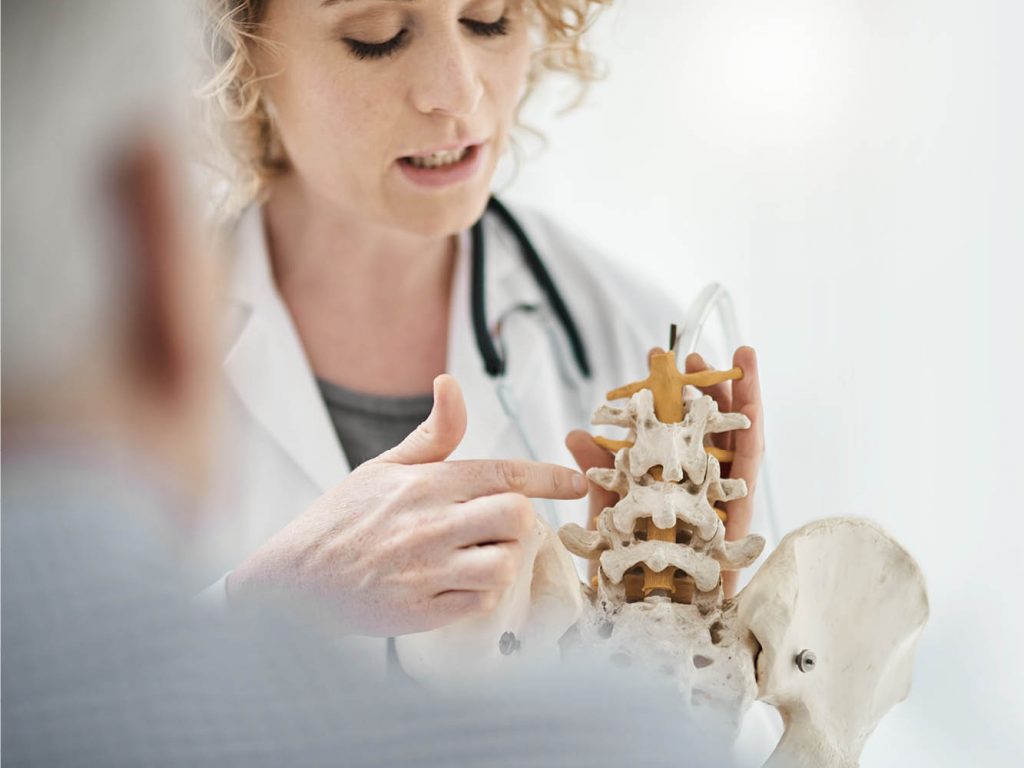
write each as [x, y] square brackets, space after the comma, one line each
[367, 133]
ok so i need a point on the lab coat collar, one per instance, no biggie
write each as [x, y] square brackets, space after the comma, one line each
[507, 282]
[268, 368]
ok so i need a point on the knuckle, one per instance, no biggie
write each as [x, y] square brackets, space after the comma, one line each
[443, 528]
[559, 480]
[504, 573]
[451, 605]
[487, 601]
[525, 515]
[400, 539]
[413, 486]
[508, 571]
[513, 474]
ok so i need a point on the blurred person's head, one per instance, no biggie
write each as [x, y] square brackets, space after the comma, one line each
[107, 298]
[339, 97]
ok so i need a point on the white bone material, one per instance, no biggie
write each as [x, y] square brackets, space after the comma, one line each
[825, 631]
[846, 591]
[694, 642]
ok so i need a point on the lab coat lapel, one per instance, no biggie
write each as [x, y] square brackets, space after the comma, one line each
[490, 432]
[268, 368]
[486, 424]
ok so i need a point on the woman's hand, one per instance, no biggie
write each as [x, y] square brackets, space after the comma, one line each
[408, 541]
[589, 454]
[742, 396]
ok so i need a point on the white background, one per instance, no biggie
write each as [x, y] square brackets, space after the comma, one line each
[853, 171]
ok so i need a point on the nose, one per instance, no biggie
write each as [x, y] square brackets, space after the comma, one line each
[448, 82]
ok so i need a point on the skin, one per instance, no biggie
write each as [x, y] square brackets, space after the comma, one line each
[354, 243]
[362, 258]
[410, 542]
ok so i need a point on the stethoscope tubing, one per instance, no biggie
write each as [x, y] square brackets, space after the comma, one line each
[494, 363]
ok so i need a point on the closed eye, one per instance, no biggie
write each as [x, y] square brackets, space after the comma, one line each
[363, 50]
[487, 29]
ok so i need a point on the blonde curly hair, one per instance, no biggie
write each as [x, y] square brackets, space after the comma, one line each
[243, 146]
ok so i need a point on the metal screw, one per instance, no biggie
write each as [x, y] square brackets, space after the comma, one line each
[508, 644]
[806, 661]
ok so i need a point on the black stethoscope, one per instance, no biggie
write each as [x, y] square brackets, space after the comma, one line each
[494, 362]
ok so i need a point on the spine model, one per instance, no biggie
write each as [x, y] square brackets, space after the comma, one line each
[825, 631]
[657, 599]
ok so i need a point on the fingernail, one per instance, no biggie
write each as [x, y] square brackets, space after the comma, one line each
[579, 483]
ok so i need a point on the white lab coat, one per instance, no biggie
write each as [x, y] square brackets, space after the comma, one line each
[283, 453]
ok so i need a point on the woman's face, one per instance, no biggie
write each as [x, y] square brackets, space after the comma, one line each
[396, 111]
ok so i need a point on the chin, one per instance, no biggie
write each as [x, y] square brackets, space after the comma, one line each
[443, 214]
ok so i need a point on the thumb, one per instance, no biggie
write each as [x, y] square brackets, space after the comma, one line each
[589, 454]
[440, 434]
[586, 452]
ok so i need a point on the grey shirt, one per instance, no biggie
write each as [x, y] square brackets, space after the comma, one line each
[367, 425]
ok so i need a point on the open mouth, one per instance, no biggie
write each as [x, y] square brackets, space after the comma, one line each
[450, 158]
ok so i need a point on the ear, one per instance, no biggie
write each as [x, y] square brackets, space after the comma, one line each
[169, 318]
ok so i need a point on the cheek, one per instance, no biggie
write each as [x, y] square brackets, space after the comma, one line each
[328, 117]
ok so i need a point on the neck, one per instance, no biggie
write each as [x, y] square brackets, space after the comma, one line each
[316, 246]
[366, 300]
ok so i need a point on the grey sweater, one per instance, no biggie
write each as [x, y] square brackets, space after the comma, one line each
[367, 425]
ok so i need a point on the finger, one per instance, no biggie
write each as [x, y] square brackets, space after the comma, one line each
[749, 443]
[748, 389]
[721, 393]
[454, 604]
[441, 432]
[730, 580]
[749, 450]
[746, 464]
[485, 568]
[503, 517]
[589, 454]
[470, 479]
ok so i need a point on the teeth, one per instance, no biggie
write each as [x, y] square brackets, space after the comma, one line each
[438, 159]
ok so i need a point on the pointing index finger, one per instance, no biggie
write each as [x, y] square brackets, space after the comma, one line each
[748, 389]
[470, 479]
